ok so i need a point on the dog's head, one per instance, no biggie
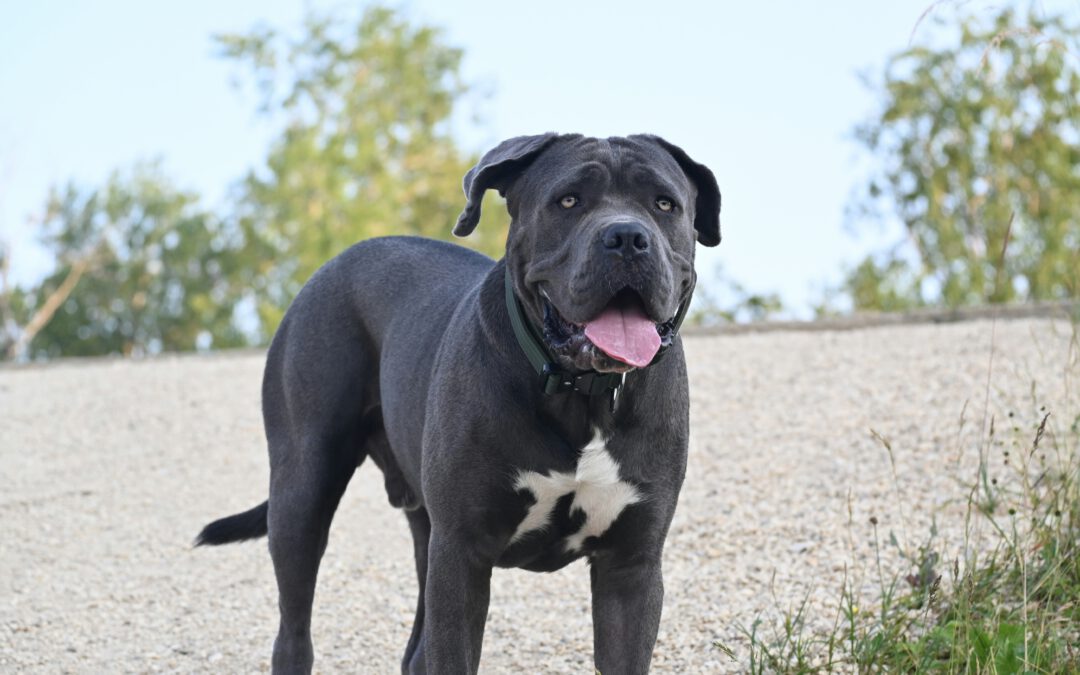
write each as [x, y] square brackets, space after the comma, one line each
[601, 243]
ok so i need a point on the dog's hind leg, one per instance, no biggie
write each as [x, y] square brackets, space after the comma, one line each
[299, 518]
[312, 404]
[420, 524]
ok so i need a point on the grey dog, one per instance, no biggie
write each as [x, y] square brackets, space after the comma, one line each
[525, 413]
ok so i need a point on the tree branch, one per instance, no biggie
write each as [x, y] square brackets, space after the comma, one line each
[48, 309]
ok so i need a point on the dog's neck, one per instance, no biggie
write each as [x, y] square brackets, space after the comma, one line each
[571, 414]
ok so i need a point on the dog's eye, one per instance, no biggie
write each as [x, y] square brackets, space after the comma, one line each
[665, 204]
[568, 201]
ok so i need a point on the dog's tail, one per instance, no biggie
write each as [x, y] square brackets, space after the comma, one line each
[250, 524]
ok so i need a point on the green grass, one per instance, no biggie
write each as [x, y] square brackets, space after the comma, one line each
[1010, 603]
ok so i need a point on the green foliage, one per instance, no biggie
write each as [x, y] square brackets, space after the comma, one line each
[161, 273]
[887, 285]
[365, 150]
[978, 145]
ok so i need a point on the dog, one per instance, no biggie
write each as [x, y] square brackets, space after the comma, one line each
[525, 413]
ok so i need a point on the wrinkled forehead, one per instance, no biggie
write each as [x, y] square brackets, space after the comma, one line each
[615, 162]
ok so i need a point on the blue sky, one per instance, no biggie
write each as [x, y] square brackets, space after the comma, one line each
[765, 93]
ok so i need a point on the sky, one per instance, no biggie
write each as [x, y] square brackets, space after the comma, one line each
[766, 94]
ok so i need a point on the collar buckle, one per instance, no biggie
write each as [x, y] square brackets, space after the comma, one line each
[553, 380]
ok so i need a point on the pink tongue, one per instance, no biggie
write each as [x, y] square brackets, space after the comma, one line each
[626, 334]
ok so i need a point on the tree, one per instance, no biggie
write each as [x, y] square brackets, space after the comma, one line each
[365, 150]
[152, 272]
[979, 146]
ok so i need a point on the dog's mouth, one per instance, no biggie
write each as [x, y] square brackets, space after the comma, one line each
[618, 339]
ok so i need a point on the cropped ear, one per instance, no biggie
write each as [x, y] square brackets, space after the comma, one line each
[707, 205]
[497, 169]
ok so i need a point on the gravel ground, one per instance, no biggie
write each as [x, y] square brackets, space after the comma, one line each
[109, 468]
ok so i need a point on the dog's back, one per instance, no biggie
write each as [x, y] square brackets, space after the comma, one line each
[351, 337]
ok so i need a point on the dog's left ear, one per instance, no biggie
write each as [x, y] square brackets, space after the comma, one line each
[707, 205]
[497, 169]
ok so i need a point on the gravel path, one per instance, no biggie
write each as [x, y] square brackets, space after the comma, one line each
[109, 468]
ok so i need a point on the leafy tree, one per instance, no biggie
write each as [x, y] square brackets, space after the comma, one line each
[153, 271]
[979, 145]
[365, 150]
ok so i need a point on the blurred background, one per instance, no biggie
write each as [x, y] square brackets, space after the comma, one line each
[170, 175]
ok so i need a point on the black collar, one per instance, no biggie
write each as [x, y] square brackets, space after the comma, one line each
[552, 378]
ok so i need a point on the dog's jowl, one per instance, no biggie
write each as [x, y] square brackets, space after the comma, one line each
[525, 413]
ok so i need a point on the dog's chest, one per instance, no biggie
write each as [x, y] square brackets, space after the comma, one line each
[570, 508]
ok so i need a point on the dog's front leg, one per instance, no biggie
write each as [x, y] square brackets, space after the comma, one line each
[626, 604]
[456, 605]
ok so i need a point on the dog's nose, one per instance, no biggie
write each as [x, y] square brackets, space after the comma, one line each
[628, 238]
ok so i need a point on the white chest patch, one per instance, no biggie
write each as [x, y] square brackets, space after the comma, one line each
[599, 493]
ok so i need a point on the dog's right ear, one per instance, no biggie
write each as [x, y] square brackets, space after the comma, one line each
[497, 169]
